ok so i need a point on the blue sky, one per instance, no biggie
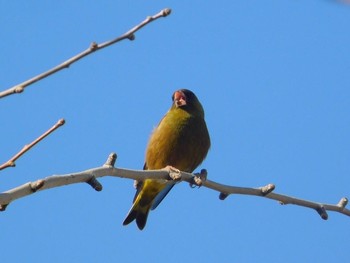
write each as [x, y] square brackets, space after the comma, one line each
[273, 77]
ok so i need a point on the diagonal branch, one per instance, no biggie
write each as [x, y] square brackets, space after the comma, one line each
[27, 147]
[199, 179]
[93, 47]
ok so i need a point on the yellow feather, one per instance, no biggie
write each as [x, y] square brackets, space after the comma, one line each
[181, 140]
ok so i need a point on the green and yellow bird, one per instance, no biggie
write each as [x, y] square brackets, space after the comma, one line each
[181, 140]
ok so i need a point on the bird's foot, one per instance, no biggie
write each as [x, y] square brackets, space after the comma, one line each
[199, 178]
[174, 173]
[137, 184]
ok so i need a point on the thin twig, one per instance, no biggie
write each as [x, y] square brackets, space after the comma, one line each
[92, 48]
[89, 176]
[27, 147]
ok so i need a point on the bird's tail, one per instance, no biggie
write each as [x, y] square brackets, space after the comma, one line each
[138, 211]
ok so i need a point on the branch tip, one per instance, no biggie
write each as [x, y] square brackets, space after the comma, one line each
[322, 212]
[166, 12]
[342, 203]
[95, 184]
[223, 196]
[112, 158]
[61, 122]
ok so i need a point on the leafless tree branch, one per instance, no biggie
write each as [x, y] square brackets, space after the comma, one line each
[27, 147]
[93, 47]
[199, 179]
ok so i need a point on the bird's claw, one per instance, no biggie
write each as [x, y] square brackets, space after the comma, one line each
[174, 173]
[199, 178]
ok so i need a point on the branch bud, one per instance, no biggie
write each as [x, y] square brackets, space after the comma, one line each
[166, 12]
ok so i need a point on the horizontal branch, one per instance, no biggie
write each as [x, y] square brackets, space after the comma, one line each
[321, 208]
[92, 48]
[198, 179]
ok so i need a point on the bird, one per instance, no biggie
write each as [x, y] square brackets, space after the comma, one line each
[181, 140]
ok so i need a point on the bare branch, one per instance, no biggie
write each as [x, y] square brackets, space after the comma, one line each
[321, 208]
[90, 176]
[27, 147]
[93, 47]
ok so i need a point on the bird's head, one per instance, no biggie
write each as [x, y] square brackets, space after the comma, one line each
[188, 101]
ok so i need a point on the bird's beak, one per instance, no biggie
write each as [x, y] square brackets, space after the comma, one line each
[179, 99]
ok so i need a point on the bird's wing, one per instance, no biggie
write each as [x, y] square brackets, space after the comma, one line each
[159, 198]
[162, 194]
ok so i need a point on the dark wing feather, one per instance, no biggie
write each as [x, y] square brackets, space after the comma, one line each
[159, 198]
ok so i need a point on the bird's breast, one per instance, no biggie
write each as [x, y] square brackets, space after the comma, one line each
[180, 140]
